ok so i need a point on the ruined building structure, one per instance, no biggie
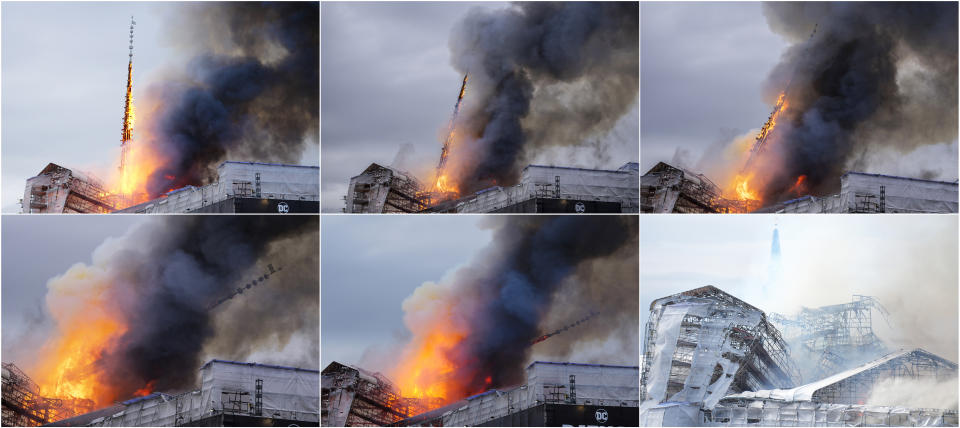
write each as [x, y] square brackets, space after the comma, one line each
[710, 359]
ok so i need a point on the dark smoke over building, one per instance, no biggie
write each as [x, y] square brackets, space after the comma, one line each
[538, 274]
[168, 281]
[874, 77]
[251, 94]
[541, 74]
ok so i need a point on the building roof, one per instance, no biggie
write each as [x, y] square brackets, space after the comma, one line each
[270, 366]
[805, 392]
[268, 164]
[897, 177]
[582, 364]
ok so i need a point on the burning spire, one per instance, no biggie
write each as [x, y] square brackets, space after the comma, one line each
[440, 181]
[126, 135]
[772, 120]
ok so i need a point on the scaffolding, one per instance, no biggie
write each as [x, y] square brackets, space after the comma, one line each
[61, 190]
[354, 397]
[381, 189]
[836, 336]
[703, 344]
[24, 406]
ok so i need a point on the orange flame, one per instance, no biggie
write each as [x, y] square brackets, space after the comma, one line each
[424, 371]
[742, 188]
[142, 392]
[87, 325]
[800, 186]
[445, 185]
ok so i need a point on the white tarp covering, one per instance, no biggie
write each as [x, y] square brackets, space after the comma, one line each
[901, 195]
[760, 412]
[805, 392]
[712, 349]
[240, 179]
[671, 415]
[550, 382]
[621, 185]
[288, 393]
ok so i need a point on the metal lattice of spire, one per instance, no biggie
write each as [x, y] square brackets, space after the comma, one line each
[128, 101]
[445, 150]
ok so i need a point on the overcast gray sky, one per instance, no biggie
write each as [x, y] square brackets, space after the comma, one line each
[35, 249]
[386, 81]
[371, 263]
[64, 79]
[702, 66]
[908, 262]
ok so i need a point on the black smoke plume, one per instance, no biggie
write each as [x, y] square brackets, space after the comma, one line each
[874, 76]
[252, 94]
[162, 280]
[541, 74]
[539, 274]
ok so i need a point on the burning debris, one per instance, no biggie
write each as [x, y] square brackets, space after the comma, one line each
[138, 318]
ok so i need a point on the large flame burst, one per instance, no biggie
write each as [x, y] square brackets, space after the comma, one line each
[87, 326]
[429, 366]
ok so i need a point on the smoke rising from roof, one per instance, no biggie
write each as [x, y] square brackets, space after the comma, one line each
[539, 274]
[158, 282]
[250, 94]
[541, 74]
[875, 77]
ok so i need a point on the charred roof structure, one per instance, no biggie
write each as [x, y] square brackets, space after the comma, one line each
[61, 190]
[541, 189]
[244, 187]
[231, 394]
[700, 342]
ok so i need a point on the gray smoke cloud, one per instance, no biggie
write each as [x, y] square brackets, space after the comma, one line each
[874, 77]
[541, 74]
